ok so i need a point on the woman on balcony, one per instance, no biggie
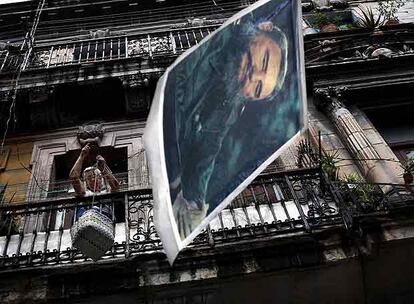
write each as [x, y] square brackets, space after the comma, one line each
[96, 179]
[93, 232]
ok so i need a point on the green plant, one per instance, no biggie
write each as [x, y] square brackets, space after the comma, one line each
[361, 190]
[319, 19]
[337, 20]
[367, 19]
[305, 154]
[329, 165]
[408, 167]
[389, 8]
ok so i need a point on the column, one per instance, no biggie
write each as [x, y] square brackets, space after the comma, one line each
[376, 168]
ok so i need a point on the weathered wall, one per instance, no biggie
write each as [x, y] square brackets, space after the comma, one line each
[12, 170]
[376, 268]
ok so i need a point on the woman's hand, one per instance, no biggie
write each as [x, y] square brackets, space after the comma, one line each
[85, 152]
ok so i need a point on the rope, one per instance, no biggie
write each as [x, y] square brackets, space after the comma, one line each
[94, 189]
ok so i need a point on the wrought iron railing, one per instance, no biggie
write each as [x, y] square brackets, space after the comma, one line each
[363, 199]
[145, 46]
[9, 61]
[45, 189]
[274, 205]
[38, 233]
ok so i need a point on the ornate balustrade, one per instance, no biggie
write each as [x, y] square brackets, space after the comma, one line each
[145, 46]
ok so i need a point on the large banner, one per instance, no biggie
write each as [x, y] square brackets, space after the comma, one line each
[222, 112]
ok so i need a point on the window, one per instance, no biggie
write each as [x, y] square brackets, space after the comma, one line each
[394, 122]
[72, 104]
[60, 185]
[404, 152]
[54, 155]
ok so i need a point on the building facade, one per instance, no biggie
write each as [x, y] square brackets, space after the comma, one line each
[329, 221]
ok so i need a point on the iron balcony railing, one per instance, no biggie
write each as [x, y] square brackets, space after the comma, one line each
[38, 233]
[45, 189]
[362, 199]
[275, 205]
[145, 46]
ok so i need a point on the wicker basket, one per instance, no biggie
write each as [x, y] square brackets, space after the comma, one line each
[93, 234]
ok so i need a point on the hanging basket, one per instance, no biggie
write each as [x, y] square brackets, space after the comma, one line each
[93, 234]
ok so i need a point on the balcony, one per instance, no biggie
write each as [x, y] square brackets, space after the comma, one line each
[274, 206]
[142, 47]
[279, 206]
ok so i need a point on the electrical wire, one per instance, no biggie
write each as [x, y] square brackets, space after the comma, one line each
[28, 170]
[363, 159]
[214, 2]
[29, 40]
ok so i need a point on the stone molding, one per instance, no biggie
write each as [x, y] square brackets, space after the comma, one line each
[117, 135]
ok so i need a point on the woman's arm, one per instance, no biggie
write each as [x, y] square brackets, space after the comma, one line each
[107, 173]
[75, 173]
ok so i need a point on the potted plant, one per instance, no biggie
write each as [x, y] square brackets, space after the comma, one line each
[389, 9]
[355, 189]
[329, 167]
[366, 18]
[323, 23]
[408, 168]
[359, 188]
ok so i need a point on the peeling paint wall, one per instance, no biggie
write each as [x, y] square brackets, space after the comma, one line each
[13, 172]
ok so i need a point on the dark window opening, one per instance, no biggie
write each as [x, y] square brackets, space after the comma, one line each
[395, 124]
[72, 104]
[60, 185]
[99, 101]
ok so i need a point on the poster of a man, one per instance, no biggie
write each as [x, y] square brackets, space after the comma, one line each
[228, 106]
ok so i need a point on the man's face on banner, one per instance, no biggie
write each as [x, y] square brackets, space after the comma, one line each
[260, 68]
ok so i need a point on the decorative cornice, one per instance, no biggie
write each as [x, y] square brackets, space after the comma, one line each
[197, 22]
[83, 73]
[134, 80]
[124, 125]
[359, 44]
[90, 133]
[4, 95]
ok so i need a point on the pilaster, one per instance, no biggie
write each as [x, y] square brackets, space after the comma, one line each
[375, 166]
